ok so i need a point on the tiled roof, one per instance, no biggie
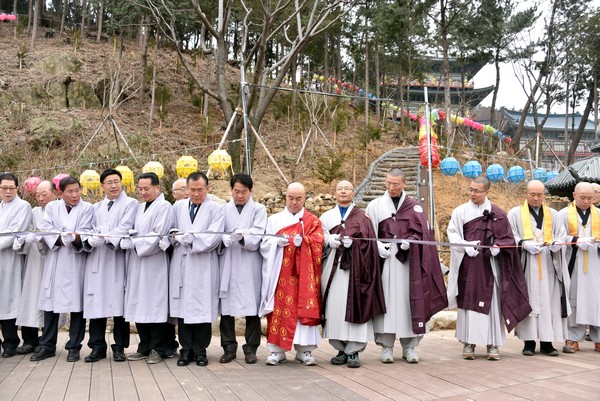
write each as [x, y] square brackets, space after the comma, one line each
[587, 170]
[554, 121]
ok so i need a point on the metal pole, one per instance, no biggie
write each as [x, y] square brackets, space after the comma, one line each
[537, 150]
[429, 167]
[244, 89]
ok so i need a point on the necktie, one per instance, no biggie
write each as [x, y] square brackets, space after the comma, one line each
[110, 203]
[69, 207]
[193, 208]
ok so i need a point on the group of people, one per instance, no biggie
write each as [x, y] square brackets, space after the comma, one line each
[371, 275]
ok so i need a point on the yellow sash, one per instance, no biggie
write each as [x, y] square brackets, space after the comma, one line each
[574, 230]
[528, 229]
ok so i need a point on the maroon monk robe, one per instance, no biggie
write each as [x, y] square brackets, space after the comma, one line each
[365, 291]
[427, 287]
[475, 276]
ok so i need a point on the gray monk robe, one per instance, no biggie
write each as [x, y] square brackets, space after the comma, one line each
[194, 272]
[146, 289]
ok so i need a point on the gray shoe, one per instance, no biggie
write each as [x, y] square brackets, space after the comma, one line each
[493, 354]
[153, 358]
[387, 354]
[353, 360]
[469, 352]
[138, 356]
[276, 358]
[340, 359]
[410, 355]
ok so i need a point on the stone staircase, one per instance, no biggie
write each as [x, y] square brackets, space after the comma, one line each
[373, 185]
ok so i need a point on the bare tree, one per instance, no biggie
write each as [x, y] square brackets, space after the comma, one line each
[36, 21]
[99, 21]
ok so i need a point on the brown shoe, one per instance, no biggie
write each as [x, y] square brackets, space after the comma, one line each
[250, 358]
[571, 347]
[597, 347]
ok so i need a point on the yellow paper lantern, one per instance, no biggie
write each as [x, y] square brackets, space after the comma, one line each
[90, 181]
[154, 167]
[220, 161]
[186, 165]
[127, 178]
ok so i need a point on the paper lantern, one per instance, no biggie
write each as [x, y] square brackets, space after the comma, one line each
[30, 184]
[126, 178]
[56, 179]
[90, 181]
[449, 166]
[472, 169]
[220, 161]
[186, 165]
[154, 167]
[495, 172]
[551, 175]
[540, 174]
[516, 174]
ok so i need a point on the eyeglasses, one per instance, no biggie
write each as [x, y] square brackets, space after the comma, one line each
[111, 183]
[475, 191]
[179, 189]
[8, 188]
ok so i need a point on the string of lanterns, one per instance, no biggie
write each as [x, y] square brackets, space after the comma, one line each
[494, 172]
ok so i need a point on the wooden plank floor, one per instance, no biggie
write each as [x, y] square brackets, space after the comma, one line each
[441, 374]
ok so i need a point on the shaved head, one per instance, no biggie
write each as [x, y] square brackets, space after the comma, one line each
[596, 187]
[535, 192]
[344, 193]
[295, 197]
[583, 195]
[45, 193]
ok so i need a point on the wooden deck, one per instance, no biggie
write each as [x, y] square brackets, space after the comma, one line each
[441, 374]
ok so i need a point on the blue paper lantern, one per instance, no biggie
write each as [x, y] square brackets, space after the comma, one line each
[540, 174]
[516, 174]
[449, 166]
[495, 172]
[551, 174]
[472, 169]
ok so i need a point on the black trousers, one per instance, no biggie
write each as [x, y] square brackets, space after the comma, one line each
[252, 334]
[50, 332]
[151, 338]
[121, 331]
[169, 336]
[10, 336]
[194, 337]
[30, 335]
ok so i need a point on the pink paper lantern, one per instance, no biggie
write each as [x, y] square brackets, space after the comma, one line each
[56, 180]
[31, 184]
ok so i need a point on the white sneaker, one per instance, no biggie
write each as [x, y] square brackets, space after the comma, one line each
[276, 358]
[410, 355]
[387, 354]
[306, 358]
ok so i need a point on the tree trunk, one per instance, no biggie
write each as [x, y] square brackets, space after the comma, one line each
[29, 15]
[99, 21]
[326, 56]
[63, 17]
[377, 78]
[495, 93]
[446, 73]
[581, 129]
[83, 12]
[144, 51]
[36, 21]
[16, 15]
[366, 72]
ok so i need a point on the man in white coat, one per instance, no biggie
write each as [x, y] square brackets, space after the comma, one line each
[15, 215]
[30, 317]
[62, 283]
[194, 272]
[146, 289]
[179, 189]
[581, 219]
[538, 232]
[104, 287]
[241, 268]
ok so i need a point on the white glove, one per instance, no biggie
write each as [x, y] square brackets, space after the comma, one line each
[404, 245]
[164, 243]
[585, 243]
[185, 239]
[31, 238]
[532, 247]
[494, 250]
[67, 238]
[226, 240]
[132, 232]
[555, 247]
[95, 240]
[347, 241]
[283, 241]
[126, 243]
[384, 250]
[18, 243]
[236, 236]
[471, 251]
[297, 241]
[334, 241]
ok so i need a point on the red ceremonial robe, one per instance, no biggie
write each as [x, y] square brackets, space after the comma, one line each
[365, 291]
[475, 276]
[298, 291]
[427, 288]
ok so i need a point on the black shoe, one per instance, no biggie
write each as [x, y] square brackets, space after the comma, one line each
[201, 361]
[25, 349]
[227, 357]
[119, 355]
[547, 348]
[94, 356]
[9, 353]
[353, 361]
[529, 348]
[185, 358]
[250, 358]
[340, 359]
[41, 354]
[170, 353]
[73, 355]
